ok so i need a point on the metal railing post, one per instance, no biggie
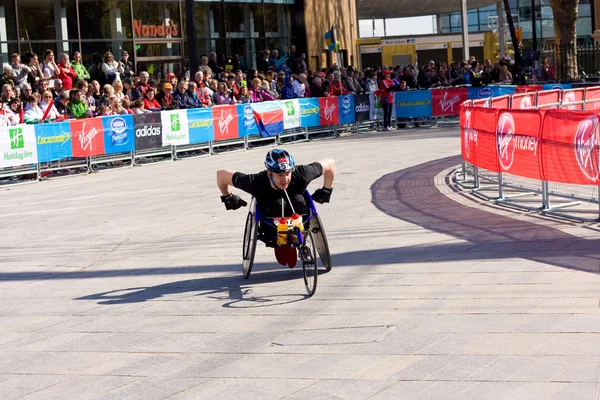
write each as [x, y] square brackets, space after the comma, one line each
[500, 186]
[475, 177]
[464, 170]
[598, 203]
[545, 196]
[246, 143]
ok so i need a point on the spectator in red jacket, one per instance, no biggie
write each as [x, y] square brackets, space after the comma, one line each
[67, 73]
[386, 96]
[150, 102]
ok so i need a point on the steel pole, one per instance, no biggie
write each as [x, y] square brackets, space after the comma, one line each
[465, 30]
[190, 15]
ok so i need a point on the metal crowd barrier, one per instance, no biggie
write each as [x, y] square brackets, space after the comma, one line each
[564, 200]
[72, 166]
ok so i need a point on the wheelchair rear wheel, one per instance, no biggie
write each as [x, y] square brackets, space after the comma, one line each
[321, 242]
[308, 254]
[250, 239]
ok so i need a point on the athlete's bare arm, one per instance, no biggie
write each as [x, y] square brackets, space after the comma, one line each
[224, 181]
[328, 165]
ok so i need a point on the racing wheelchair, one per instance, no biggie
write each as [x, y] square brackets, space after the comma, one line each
[307, 235]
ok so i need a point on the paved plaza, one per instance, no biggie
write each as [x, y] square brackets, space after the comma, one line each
[126, 284]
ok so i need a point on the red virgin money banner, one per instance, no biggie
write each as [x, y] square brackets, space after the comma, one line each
[523, 102]
[448, 101]
[468, 135]
[518, 142]
[225, 122]
[482, 137]
[570, 152]
[88, 137]
[529, 88]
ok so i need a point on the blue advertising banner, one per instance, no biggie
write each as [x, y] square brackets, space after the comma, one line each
[415, 103]
[53, 141]
[484, 92]
[246, 121]
[309, 112]
[200, 124]
[550, 86]
[346, 109]
[506, 89]
[118, 134]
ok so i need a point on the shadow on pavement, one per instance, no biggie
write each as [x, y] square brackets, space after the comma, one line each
[411, 195]
[236, 289]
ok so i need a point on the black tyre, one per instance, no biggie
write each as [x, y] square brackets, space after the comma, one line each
[250, 239]
[308, 254]
[320, 237]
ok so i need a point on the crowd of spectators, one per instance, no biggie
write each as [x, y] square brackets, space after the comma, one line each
[35, 90]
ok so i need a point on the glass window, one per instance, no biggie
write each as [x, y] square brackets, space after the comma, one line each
[445, 21]
[207, 46]
[8, 21]
[209, 20]
[455, 20]
[158, 49]
[472, 18]
[473, 28]
[96, 48]
[105, 19]
[257, 19]
[276, 20]
[157, 19]
[547, 28]
[547, 12]
[36, 20]
[6, 50]
[159, 71]
[585, 10]
[280, 44]
[235, 18]
[584, 26]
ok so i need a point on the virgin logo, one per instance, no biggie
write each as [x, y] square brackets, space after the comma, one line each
[569, 100]
[86, 138]
[448, 104]
[329, 109]
[504, 139]
[586, 147]
[526, 102]
[467, 134]
[224, 121]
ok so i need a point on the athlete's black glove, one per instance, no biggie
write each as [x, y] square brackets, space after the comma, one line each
[322, 195]
[233, 202]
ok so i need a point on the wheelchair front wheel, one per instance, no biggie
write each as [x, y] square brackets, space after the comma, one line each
[308, 254]
[250, 239]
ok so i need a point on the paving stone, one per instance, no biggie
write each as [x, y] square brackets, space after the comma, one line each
[127, 284]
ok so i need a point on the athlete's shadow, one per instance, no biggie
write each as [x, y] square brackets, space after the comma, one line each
[235, 290]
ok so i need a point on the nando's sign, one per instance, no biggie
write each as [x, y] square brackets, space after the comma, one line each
[163, 30]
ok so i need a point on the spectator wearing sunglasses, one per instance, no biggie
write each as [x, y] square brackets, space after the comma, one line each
[127, 66]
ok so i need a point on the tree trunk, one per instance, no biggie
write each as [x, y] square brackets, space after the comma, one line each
[565, 36]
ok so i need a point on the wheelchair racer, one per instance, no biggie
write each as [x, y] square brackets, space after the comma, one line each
[273, 188]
